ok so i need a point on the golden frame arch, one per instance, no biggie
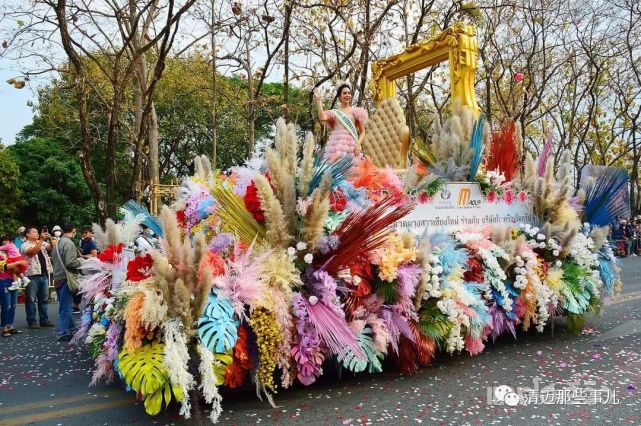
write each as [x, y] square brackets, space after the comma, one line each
[457, 45]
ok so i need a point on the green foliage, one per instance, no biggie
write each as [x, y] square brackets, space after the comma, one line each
[95, 347]
[353, 362]
[144, 370]
[51, 184]
[386, 290]
[575, 323]
[9, 192]
[433, 323]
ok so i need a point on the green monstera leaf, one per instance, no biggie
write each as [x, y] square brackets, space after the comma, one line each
[372, 361]
[144, 371]
[217, 328]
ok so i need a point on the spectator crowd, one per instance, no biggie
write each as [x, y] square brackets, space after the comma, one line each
[625, 236]
[37, 261]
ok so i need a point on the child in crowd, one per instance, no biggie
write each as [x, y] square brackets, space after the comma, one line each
[15, 263]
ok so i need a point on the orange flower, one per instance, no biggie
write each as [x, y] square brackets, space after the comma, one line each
[134, 329]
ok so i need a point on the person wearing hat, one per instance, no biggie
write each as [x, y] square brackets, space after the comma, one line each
[56, 232]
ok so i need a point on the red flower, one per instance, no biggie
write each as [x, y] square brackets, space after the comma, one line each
[491, 197]
[140, 268]
[337, 200]
[182, 220]
[211, 263]
[518, 77]
[474, 271]
[108, 255]
[252, 203]
[236, 372]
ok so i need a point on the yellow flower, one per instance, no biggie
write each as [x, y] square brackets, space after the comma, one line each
[268, 339]
[554, 277]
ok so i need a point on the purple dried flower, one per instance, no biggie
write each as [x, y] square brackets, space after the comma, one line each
[308, 349]
[221, 242]
[328, 243]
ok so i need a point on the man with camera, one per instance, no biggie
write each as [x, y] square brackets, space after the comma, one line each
[36, 249]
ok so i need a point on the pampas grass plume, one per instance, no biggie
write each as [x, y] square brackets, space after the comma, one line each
[316, 215]
[274, 217]
[112, 232]
[307, 165]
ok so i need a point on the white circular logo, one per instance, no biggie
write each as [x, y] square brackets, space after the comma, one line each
[501, 391]
[511, 399]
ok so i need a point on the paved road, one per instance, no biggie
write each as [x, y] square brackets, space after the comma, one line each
[44, 382]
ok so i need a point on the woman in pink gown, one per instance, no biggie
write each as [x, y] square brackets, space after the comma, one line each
[347, 123]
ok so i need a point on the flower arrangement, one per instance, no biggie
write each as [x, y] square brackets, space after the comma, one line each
[286, 263]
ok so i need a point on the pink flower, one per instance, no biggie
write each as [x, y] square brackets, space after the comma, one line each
[508, 197]
[522, 196]
[423, 198]
[491, 197]
[518, 77]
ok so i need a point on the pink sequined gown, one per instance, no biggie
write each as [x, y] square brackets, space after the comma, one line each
[340, 141]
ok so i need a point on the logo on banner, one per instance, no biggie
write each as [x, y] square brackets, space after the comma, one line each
[464, 197]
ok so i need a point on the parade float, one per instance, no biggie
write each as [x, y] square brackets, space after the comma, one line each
[276, 270]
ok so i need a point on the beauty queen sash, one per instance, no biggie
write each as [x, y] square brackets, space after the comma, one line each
[347, 123]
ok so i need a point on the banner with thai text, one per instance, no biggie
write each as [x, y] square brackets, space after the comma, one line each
[461, 205]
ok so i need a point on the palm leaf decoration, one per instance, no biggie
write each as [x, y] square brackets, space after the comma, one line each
[363, 231]
[388, 291]
[476, 143]
[149, 220]
[423, 152]
[430, 184]
[433, 323]
[355, 362]
[234, 217]
[220, 366]
[217, 328]
[575, 294]
[143, 370]
[340, 170]
[605, 197]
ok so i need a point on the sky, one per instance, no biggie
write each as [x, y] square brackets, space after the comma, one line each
[14, 111]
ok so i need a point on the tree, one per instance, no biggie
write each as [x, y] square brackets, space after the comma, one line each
[115, 38]
[9, 192]
[50, 182]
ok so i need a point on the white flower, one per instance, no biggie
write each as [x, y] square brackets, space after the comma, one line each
[356, 280]
[308, 258]
[313, 300]
[558, 263]
[555, 253]
[300, 246]
[291, 251]
[540, 237]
